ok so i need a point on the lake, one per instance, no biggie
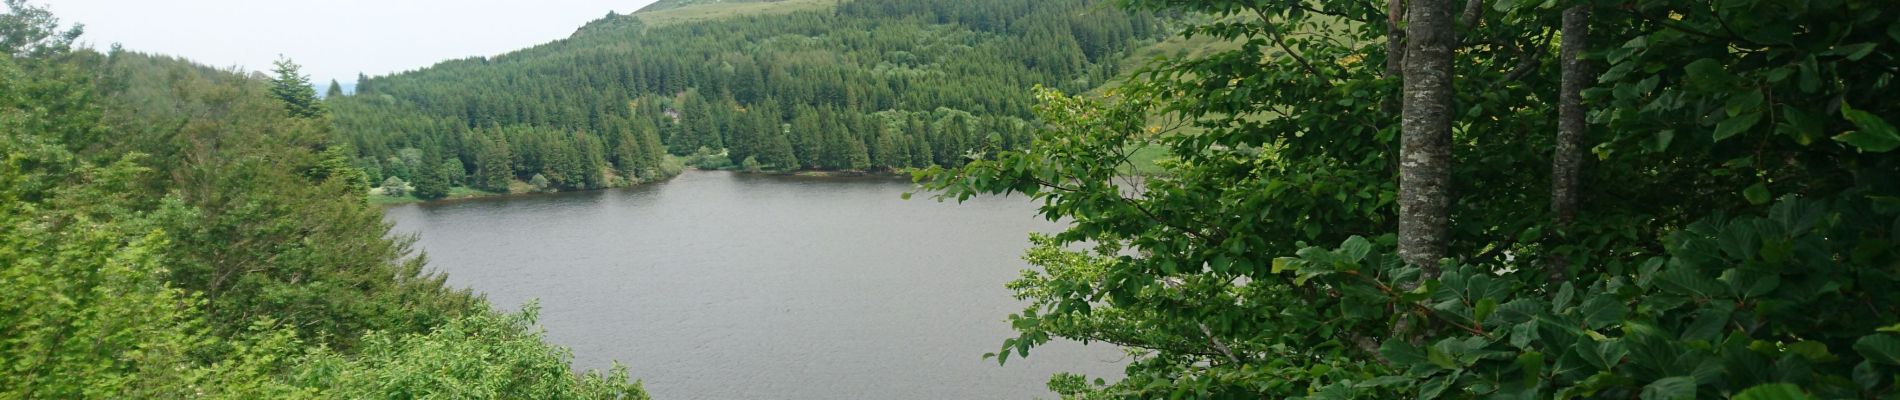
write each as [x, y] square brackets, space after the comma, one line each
[717, 285]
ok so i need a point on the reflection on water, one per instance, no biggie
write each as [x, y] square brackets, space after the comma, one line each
[725, 286]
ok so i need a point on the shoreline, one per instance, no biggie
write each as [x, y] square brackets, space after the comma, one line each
[460, 193]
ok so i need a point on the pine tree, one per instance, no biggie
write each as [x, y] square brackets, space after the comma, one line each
[293, 88]
[430, 184]
[363, 84]
[334, 92]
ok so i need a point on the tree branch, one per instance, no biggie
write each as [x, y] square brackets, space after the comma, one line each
[1280, 39]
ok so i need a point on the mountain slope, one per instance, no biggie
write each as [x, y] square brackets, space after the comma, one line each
[667, 12]
[862, 85]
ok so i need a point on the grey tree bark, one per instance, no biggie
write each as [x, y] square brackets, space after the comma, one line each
[1425, 135]
[1566, 160]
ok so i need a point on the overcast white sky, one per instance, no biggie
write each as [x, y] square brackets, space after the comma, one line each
[330, 38]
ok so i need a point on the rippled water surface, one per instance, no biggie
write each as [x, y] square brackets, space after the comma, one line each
[727, 286]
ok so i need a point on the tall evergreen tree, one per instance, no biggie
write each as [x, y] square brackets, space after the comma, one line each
[430, 183]
[335, 90]
[292, 87]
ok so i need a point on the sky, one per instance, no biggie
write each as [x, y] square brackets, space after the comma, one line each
[332, 39]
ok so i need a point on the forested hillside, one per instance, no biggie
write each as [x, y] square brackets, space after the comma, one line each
[862, 85]
[178, 231]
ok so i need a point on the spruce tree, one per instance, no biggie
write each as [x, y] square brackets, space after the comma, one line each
[293, 88]
[430, 184]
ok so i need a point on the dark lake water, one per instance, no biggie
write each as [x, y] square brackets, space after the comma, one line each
[729, 286]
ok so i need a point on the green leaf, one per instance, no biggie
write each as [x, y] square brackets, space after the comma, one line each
[1562, 300]
[1684, 280]
[1707, 74]
[1283, 264]
[1853, 52]
[1736, 125]
[1602, 310]
[1773, 391]
[1532, 365]
[1812, 350]
[1433, 388]
[1382, 381]
[1484, 309]
[1401, 353]
[1707, 325]
[1671, 388]
[1879, 348]
[1604, 354]
[1874, 134]
[1757, 194]
[1800, 125]
[1355, 248]
[1659, 141]
[1867, 376]
[1440, 358]
[1747, 101]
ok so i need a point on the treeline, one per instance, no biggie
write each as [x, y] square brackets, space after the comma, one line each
[177, 231]
[869, 85]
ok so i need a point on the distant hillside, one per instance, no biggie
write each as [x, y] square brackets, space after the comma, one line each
[671, 4]
[668, 12]
[787, 85]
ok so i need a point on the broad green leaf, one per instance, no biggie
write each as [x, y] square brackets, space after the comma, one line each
[1853, 52]
[1800, 125]
[1401, 353]
[1659, 141]
[1433, 388]
[1879, 348]
[1484, 309]
[1736, 125]
[1707, 74]
[1383, 381]
[1707, 325]
[1561, 301]
[1671, 388]
[1868, 376]
[1355, 248]
[1757, 194]
[1873, 134]
[1812, 350]
[1283, 264]
[1604, 354]
[1773, 391]
[1532, 365]
[1602, 310]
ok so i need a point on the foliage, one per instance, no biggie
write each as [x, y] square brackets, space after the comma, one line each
[482, 356]
[395, 187]
[866, 85]
[1737, 237]
[293, 88]
[216, 246]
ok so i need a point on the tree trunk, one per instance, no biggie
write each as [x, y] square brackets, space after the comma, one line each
[1425, 135]
[1567, 158]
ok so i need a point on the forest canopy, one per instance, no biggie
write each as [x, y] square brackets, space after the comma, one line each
[868, 85]
[178, 231]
